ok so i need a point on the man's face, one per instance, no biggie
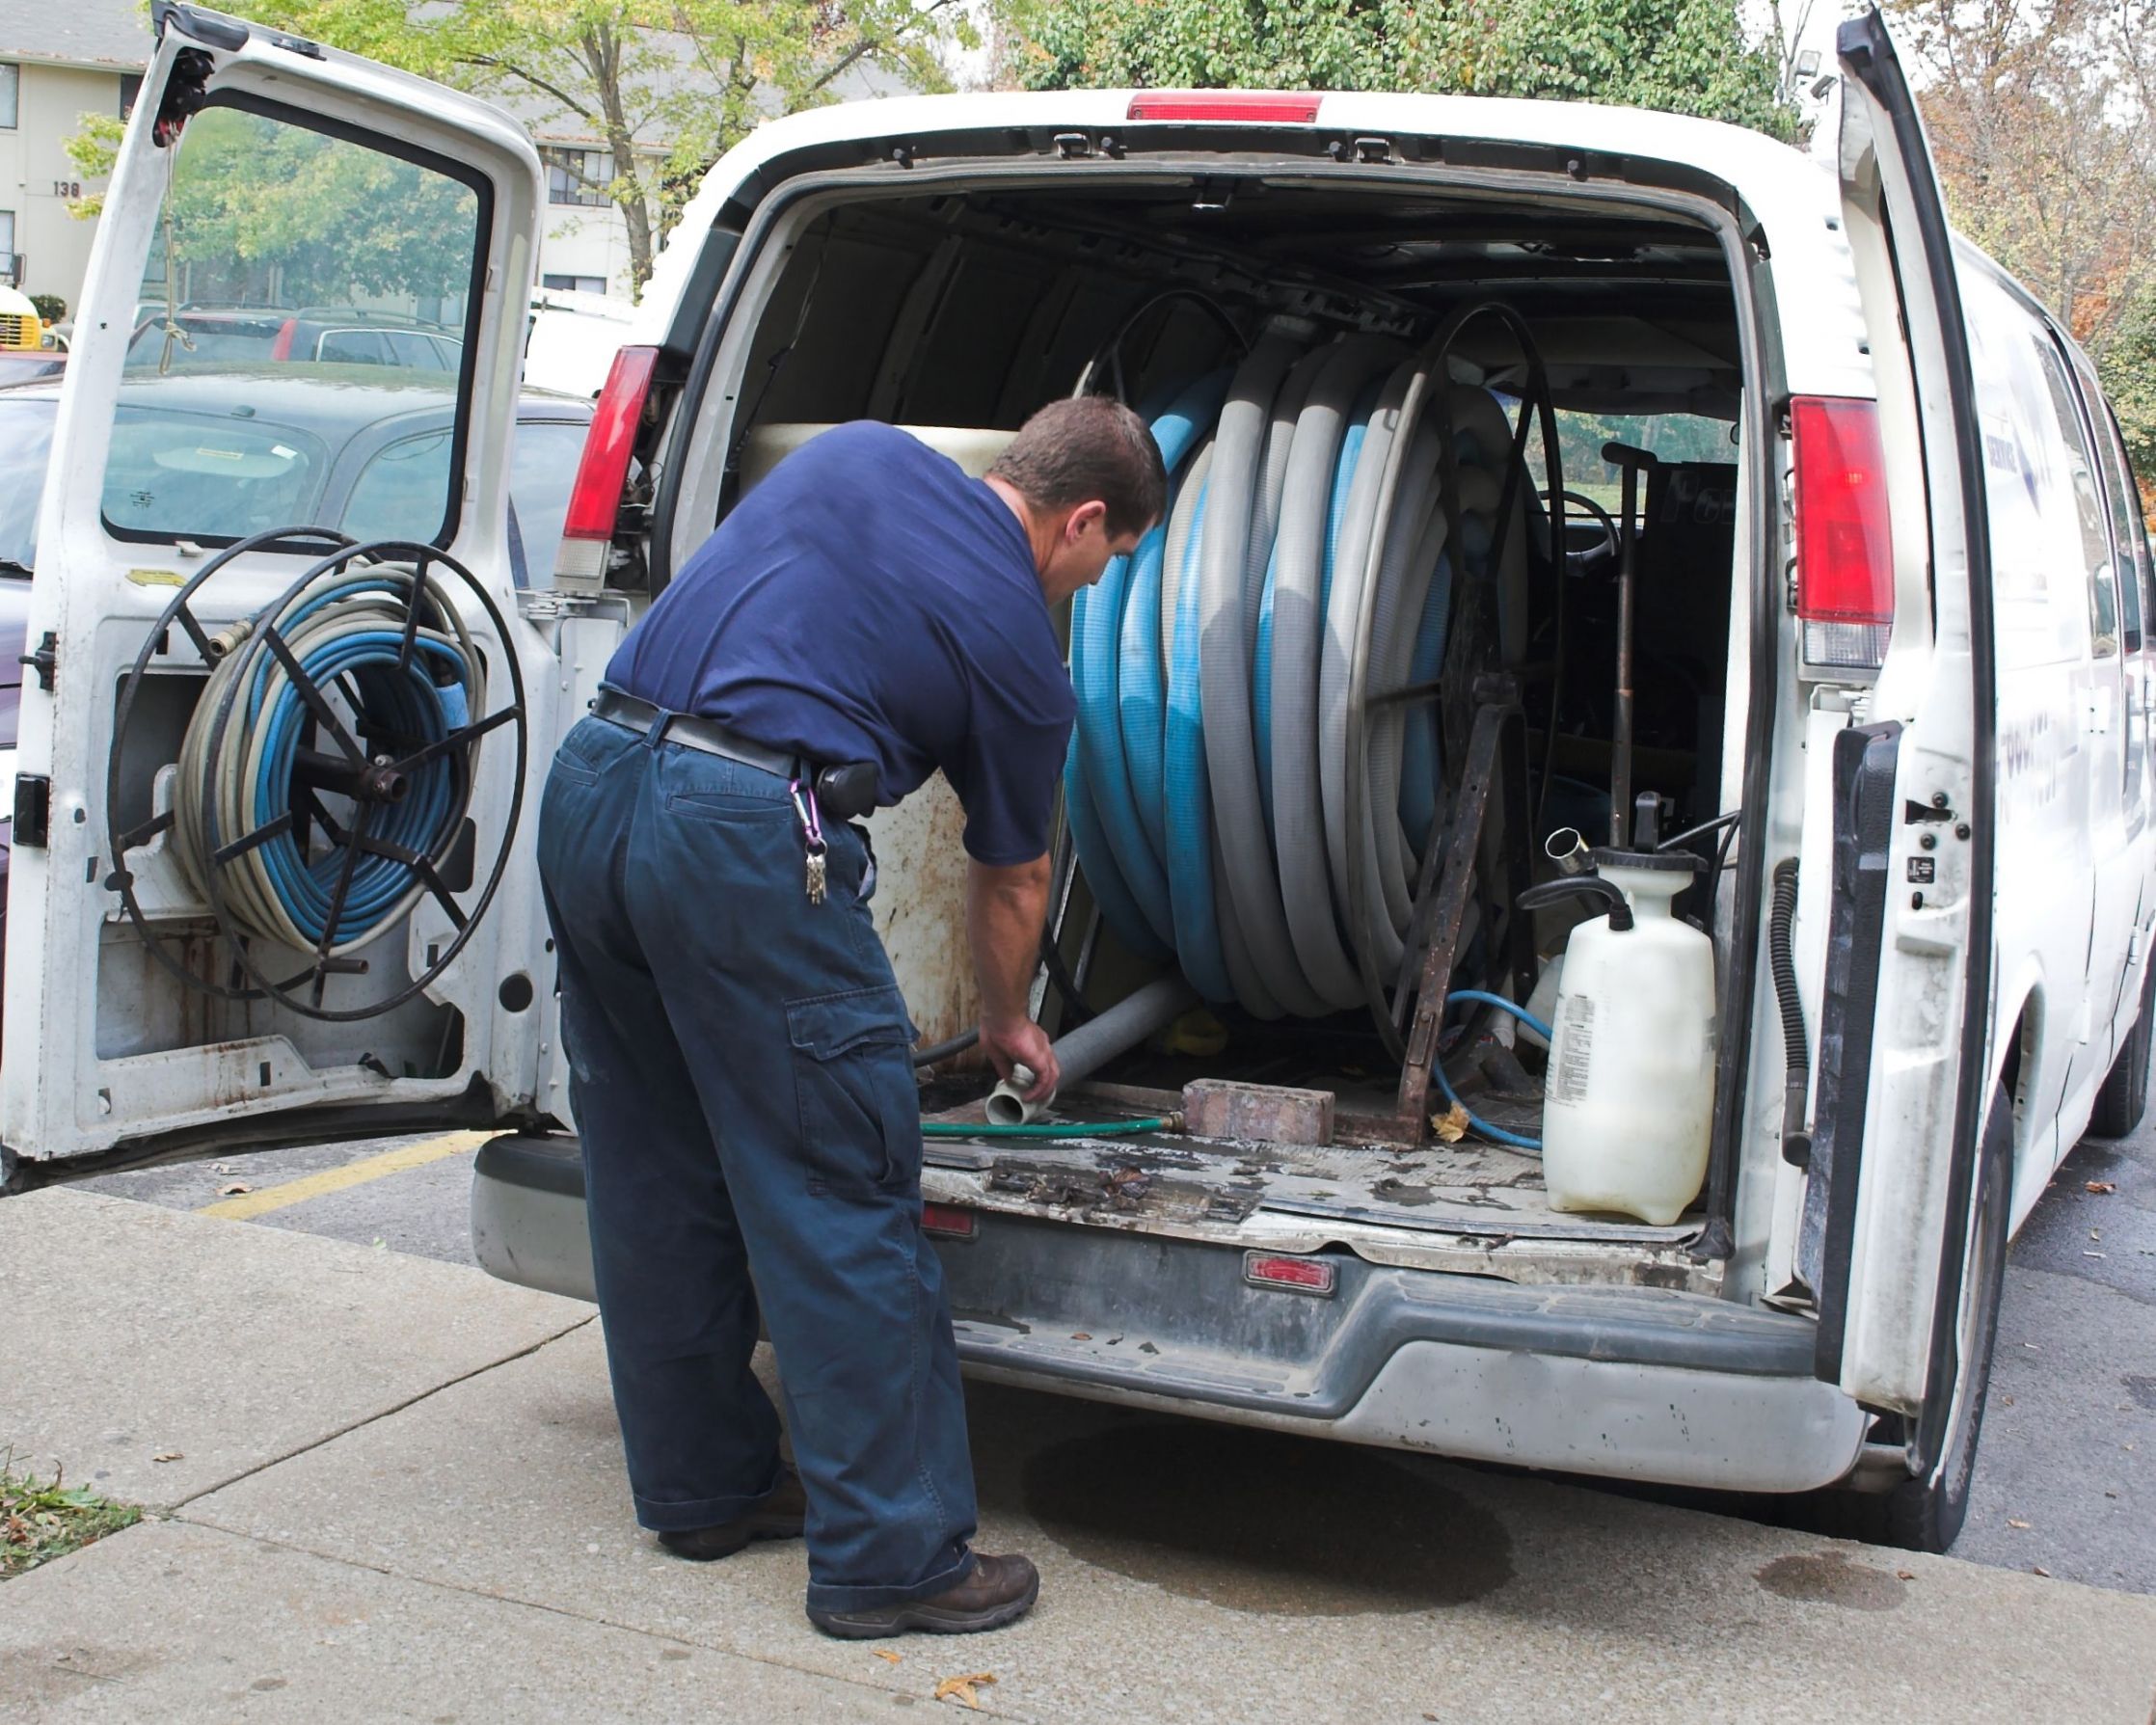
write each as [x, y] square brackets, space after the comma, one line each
[1082, 551]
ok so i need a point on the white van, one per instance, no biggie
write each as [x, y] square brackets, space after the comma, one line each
[1891, 613]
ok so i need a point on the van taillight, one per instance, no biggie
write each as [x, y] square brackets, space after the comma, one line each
[948, 1222]
[1262, 107]
[595, 501]
[1844, 552]
[1281, 1270]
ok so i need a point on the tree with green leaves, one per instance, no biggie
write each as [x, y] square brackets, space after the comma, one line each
[666, 86]
[1687, 56]
[2127, 366]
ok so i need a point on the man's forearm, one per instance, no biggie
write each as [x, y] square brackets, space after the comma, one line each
[1005, 911]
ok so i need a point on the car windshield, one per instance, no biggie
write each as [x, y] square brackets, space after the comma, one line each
[260, 475]
[202, 341]
[309, 256]
[25, 443]
[221, 475]
[542, 470]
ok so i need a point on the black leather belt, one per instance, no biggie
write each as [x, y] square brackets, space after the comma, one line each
[706, 736]
[844, 792]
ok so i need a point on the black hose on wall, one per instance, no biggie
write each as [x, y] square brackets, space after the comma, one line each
[1796, 1056]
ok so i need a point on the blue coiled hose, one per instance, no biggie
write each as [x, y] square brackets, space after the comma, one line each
[347, 633]
[1495, 1134]
[1142, 800]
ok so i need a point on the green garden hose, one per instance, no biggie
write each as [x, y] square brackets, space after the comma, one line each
[1170, 1122]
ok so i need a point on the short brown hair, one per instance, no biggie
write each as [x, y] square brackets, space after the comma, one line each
[1089, 446]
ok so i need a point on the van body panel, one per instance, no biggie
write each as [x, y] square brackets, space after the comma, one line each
[1634, 1384]
[1909, 1215]
[106, 1053]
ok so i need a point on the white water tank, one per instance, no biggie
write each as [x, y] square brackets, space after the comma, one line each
[1628, 1100]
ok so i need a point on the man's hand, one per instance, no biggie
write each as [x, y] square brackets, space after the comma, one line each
[1023, 1044]
[1004, 910]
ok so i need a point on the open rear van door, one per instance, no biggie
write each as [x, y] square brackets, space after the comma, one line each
[270, 790]
[1894, 1231]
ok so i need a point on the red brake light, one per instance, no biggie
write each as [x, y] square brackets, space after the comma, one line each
[1844, 552]
[948, 1222]
[282, 347]
[1302, 1275]
[1224, 104]
[595, 501]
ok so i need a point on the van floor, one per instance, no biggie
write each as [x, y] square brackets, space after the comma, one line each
[1468, 1189]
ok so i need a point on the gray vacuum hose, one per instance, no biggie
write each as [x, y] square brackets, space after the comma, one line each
[1250, 913]
[1094, 1043]
[1298, 621]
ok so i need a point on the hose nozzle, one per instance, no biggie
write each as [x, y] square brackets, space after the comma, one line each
[1569, 851]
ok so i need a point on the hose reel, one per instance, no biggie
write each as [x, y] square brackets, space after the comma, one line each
[322, 786]
[1276, 691]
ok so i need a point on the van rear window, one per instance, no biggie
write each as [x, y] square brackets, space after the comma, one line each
[313, 275]
[209, 476]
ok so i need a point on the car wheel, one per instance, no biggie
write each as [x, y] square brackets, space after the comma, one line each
[2124, 1097]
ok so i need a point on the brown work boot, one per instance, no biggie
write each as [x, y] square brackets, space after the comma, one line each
[996, 1590]
[780, 1516]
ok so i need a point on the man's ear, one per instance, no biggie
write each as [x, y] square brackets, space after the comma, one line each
[1084, 515]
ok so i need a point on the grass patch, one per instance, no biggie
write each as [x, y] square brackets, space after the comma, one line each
[40, 1520]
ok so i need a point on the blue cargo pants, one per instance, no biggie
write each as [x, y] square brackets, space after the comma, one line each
[742, 1078]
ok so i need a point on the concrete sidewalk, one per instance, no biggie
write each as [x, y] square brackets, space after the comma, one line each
[400, 1496]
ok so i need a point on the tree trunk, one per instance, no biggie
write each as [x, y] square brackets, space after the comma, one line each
[602, 52]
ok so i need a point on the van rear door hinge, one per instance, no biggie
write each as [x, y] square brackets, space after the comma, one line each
[45, 661]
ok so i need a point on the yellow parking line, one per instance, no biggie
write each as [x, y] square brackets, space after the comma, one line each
[250, 1204]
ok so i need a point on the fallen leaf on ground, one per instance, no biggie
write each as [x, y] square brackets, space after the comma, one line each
[170, 1455]
[233, 1188]
[884, 1653]
[1904, 1574]
[2100, 1187]
[2038, 1569]
[1081, 1336]
[961, 1688]
[2015, 1522]
[1452, 1126]
[220, 1168]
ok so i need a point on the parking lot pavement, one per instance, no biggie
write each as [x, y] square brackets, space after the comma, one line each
[467, 1552]
[2065, 1479]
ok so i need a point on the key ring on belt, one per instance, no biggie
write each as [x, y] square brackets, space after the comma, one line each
[803, 793]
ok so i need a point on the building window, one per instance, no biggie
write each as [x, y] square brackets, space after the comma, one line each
[578, 177]
[131, 87]
[11, 95]
[10, 265]
[574, 283]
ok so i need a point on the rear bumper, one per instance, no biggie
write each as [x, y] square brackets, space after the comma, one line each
[1634, 1384]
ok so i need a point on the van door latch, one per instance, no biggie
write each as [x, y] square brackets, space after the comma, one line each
[33, 812]
[45, 661]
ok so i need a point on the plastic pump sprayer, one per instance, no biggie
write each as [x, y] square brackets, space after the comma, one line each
[1629, 1101]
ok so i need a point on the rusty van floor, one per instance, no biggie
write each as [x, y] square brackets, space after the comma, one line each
[1467, 1190]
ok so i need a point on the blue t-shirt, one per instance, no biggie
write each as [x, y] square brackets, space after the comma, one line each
[869, 601]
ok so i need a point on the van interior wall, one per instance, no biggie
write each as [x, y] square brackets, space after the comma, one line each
[975, 307]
